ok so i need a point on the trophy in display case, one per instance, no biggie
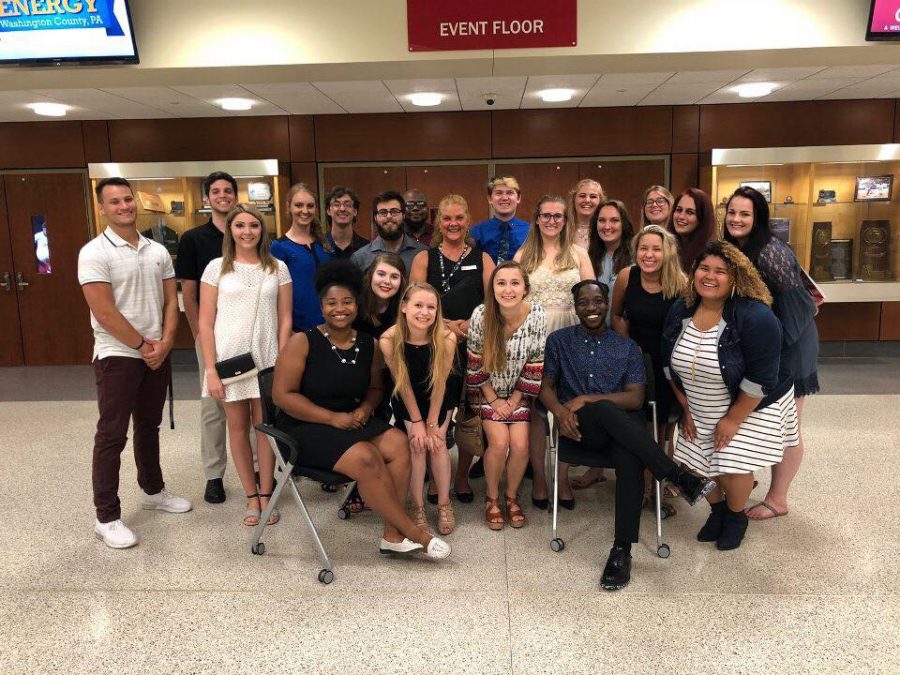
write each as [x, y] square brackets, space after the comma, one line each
[874, 261]
[841, 258]
[820, 265]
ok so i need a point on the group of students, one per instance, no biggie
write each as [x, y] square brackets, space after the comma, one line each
[376, 345]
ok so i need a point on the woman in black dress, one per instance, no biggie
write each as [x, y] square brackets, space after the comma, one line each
[420, 352]
[460, 272]
[327, 383]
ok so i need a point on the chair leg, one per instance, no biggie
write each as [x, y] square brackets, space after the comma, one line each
[282, 475]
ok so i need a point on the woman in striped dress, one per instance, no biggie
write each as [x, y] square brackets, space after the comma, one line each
[721, 349]
[506, 362]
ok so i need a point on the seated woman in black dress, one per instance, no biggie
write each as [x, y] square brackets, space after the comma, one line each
[419, 350]
[327, 383]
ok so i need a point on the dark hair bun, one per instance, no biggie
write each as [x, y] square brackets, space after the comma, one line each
[341, 273]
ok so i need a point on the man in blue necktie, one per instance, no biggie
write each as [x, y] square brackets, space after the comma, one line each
[501, 236]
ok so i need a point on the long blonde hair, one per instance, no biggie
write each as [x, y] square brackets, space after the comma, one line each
[571, 216]
[441, 356]
[316, 229]
[661, 190]
[262, 246]
[447, 201]
[671, 277]
[533, 248]
[494, 355]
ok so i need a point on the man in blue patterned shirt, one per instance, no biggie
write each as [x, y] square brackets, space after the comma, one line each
[594, 383]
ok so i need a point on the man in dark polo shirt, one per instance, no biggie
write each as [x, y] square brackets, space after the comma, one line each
[197, 247]
[417, 222]
[594, 383]
[342, 206]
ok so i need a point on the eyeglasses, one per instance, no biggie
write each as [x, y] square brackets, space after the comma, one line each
[342, 205]
[659, 201]
[417, 205]
[384, 213]
[555, 217]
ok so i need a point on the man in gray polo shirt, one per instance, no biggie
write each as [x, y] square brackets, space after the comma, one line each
[387, 213]
[129, 284]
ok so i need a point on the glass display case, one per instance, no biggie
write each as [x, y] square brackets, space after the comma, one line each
[170, 198]
[836, 206]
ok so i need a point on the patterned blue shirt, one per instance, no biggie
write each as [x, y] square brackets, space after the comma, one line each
[583, 364]
[488, 233]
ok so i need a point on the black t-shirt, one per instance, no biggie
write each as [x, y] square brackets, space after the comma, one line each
[356, 243]
[196, 248]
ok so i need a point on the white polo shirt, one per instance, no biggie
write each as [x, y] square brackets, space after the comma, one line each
[136, 276]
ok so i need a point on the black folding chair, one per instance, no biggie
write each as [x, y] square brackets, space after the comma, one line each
[287, 472]
[575, 453]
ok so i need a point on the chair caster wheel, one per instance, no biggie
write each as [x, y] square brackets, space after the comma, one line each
[326, 576]
[663, 551]
[258, 549]
[344, 514]
[557, 545]
[665, 512]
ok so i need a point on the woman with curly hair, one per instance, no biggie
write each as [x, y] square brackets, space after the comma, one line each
[747, 227]
[693, 223]
[720, 351]
[582, 204]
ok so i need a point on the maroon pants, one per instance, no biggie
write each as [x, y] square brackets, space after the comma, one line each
[126, 389]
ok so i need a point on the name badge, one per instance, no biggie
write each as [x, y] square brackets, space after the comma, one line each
[466, 268]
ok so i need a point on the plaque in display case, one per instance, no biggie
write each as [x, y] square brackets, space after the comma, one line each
[820, 267]
[827, 197]
[781, 228]
[875, 239]
[873, 188]
[841, 259]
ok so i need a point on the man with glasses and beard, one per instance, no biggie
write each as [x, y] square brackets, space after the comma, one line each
[342, 206]
[388, 209]
[416, 222]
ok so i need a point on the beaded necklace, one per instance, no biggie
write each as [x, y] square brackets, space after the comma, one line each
[334, 348]
[445, 280]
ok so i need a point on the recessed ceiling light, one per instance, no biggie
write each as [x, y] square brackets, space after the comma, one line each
[235, 103]
[49, 109]
[426, 99]
[754, 89]
[556, 95]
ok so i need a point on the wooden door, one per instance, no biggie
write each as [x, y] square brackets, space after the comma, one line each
[366, 181]
[539, 179]
[10, 328]
[468, 180]
[54, 318]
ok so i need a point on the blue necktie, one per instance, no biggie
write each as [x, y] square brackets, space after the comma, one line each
[503, 251]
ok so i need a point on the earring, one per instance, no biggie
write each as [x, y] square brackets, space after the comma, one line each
[733, 290]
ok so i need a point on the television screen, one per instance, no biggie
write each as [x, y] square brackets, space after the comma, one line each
[884, 20]
[40, 31]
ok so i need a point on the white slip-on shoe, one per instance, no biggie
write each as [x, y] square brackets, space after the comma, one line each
[406, 546]
[115, 534]
[438, 549]
[165, 501]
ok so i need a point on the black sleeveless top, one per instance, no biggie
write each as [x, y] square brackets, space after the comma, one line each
[461, 286]
[418, 364]
[646, 314]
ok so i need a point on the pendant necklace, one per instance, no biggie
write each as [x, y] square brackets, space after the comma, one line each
[699, 345]
[334, 348]
[445, 280]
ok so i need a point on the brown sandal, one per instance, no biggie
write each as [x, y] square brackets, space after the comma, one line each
[446, 518]
[493, 515]
[514, 512]
[419, 517]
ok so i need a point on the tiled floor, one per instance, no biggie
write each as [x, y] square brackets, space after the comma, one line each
[815, 592]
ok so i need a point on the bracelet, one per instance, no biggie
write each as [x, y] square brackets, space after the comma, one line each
[492, 402]
[143, 342]
[415, 421]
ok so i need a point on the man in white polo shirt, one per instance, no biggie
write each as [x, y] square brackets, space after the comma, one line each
[129, 284]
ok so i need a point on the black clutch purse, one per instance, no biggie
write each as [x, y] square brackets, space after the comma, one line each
[237, 368]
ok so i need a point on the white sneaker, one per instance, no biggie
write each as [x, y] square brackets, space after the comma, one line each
[438, 549]
[165, 501]
[115, 534]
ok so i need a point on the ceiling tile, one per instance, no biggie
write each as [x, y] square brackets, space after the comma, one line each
[360, 96]
[872, 88]
[779, 74]
[168, 100]
[102, 102]
[297, 98]
[506, 92]
[632, 79]
[402, 89]
[581, 84]
[678, 94]
[852, 71]
[706, 76]
[209, 93]
[624, 95]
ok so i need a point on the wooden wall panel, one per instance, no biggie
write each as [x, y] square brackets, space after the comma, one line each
[796, 123]
[402, 136]
[890, 321]
[95, 134]
[685, 172]
[685, 128]
[305, 172]
[626, 180]
[539, 179]
[201, 139]
[468, 180]
[41, 145]
[303, 138]
[582, 131]
[848, 321]
[366, 182]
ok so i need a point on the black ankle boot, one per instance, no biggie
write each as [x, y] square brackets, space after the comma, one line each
[733, 530]
[693, 488]
[712, 529]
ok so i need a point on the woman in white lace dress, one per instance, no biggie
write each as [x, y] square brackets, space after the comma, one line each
[245, 306]
[554, 264]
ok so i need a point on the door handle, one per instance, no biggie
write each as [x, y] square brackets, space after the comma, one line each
[6, 283]
[20, 282]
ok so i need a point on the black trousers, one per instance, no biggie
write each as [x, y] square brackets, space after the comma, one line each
[614, 438]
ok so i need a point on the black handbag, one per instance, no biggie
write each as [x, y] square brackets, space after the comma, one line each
[242, 366]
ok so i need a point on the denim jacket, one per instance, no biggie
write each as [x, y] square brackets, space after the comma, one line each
[749, 348]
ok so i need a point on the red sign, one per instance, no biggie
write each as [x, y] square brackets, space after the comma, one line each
[445, 25]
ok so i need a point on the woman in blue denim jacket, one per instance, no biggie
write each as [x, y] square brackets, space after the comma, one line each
[747, 227]
[721, 349]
